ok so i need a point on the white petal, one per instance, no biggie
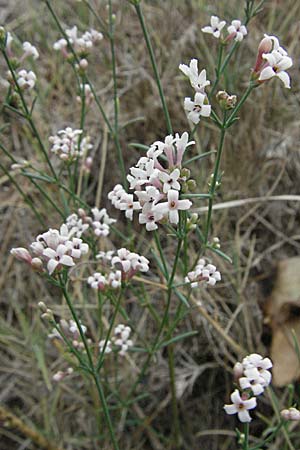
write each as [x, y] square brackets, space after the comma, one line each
[205, 110]
[51, 266]
[174, 216]
[230, 409]
[266, 74]
[244, 416]
[284, 77]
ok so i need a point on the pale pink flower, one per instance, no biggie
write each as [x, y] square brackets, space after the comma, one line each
[216, 25]
[237, 29]
[57, 258]
[240, 406]
[198, 81]
[172, 206]
[197, 108]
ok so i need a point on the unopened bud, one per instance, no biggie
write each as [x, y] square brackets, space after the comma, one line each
[192, 185]
[290, 414]
[238, 371]
[225, 100]
[83, 64]
[37, 264]
[47, 316]
[265, 46]
[42, 307]
[185, 173]
[194, 218]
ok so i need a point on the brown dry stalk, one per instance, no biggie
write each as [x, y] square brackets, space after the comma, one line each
[9, 420]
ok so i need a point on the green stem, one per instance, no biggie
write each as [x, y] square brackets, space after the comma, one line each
[214, 184]
[246, 437]
[154, 67]
[218, 71]
[93, 372]
[28, 114]
[116, 99]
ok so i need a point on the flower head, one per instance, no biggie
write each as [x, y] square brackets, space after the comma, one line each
[216, 25]
[240, 406]
[237, 30]
[197, 108]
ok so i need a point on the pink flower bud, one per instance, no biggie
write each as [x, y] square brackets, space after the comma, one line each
[22, 254]
[238, 371]
[83, 64]
[265, 46]
[37, 264]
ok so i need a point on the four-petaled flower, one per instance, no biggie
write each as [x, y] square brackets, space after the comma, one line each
[216, 25]
[197, 107]
[237, 29]
[172, 206]
[240, 406]
[57, 258]
[277, 64]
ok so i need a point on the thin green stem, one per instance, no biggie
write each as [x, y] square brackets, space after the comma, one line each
[116, 99]
[214, 185]
[246, 437]
[154, 67]
[93, 372]
[28, 116]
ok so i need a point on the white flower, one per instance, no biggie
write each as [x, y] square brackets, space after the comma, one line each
[97, 281]
[215, 26]
[253, 383]
[57, 258]
[74, 328]
[198, 81]
[170, 181]
[149, 217]
[77, 248]
[65, 144]
[203, 272]
[255, 366]
[100, 229]
[197, 108]
[26, 80]
[60, 44]
[128, 205]
[116, 194]
[240, 406]
[172, 206]
[277, 66]
[129, 263]
[121, 338]
[148, 197]
[102, 216]
[290, 414]
[237, 29]
[108, 348]
[30, 50]
[115, 279]
[76, 226]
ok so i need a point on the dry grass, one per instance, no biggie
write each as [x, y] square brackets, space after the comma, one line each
[261, 159]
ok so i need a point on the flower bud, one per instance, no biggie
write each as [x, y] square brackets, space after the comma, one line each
[238, 371]
[22, 254]
[192, 185]
[265, 46]
[225, 100]
[42, 307]
[185, 173]
[37, 264]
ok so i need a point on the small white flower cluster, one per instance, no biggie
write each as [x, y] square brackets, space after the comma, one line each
[290, 414]
[29, 50]
[70, 330]
[26, 79]
[199, 106]
[126, 265]
[82, 44]
[236, 30]
[55, 248]
[101, 222]
[152, 183]
[272, 61]
[252, 376]
[203, 272]
[120, 342]
[102, 281]
[68, 145]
